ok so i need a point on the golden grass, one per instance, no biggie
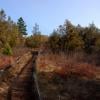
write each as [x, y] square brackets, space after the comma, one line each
[79, 64]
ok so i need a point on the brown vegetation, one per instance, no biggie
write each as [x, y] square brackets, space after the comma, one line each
[5, 61]
[68, 77]
[64, 64]
[69, 87]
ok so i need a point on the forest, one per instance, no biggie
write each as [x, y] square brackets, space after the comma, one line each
[66, 38]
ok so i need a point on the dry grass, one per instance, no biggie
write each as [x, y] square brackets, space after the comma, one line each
[9, 60]
[19, 51]
[5, 61]
[73, 77]
[79, 64]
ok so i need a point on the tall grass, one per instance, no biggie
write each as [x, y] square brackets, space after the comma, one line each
[77, 63]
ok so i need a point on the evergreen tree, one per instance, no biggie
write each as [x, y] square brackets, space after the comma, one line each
[36, 29]
[90, 37]
[21, 26]
[2, 15]
[72, 39]
[9, 33]
[54, 42]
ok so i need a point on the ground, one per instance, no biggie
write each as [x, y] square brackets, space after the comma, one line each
[69, 87]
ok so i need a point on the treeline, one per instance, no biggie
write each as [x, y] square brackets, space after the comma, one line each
[36, 40]
[66, 38]
[69, 38]
[13, 34]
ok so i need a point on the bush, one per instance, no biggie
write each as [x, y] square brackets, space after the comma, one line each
[7, 50]
[33, 42]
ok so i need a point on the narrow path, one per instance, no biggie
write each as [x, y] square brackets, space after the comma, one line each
[24, 86]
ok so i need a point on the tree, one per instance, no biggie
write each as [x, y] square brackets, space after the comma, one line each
[71, 40]
[7, 50]
[61, 30]
[35, 41]
[66, 38]
[90, 37]
[2, 15]
[53, 41]
[21, 26]
[36, 37]
[9, 33]
[36, 29]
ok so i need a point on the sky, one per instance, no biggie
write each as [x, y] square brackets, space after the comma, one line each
[49, 14]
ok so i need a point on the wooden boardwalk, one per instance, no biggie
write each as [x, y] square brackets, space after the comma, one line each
[24, 87]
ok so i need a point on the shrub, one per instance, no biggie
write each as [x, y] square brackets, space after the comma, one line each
[7, 50]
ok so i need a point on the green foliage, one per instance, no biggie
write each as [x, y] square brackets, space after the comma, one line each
[75, 38]
[36, 29]
[66, 38]
[54, 41]
[8, 33]
[90, 38]
[21, 26]
[7, 50]
[97, 44]
[33, 41]
[36, 40]
[2, 15]
[30, 42]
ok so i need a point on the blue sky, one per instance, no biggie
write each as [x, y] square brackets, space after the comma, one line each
[51, 13]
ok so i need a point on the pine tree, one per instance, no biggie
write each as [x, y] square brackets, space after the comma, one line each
[90, 37]
[21, 26]
[54, 41]
[72, 39]
[36, 30]
[2, 15]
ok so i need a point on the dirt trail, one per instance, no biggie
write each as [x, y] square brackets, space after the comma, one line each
[22, 83]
